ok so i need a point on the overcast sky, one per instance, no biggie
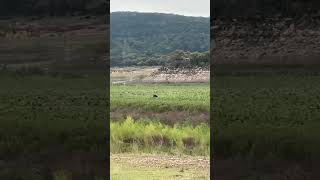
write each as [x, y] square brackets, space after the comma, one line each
[182, 7]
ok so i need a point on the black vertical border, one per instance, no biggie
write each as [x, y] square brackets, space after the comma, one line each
[108, 89]
[211, 124]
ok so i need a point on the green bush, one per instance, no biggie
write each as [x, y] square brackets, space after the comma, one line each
[140, 135]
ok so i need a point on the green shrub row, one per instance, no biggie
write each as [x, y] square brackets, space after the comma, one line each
[142, 136]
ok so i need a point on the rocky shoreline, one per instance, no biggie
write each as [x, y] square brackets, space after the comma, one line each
[266, 40]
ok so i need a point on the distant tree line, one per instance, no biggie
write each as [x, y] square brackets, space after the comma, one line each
[175, 59]
[289, 8]
[52, 7]
[185, 59]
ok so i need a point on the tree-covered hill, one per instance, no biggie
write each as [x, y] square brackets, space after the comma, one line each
[145, 38]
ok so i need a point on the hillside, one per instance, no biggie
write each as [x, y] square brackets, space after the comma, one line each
[142, 38]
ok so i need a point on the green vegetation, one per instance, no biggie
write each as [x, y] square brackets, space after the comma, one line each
[53, 96]
[181, 59]
[144, 136]
[171, 97]
[48, 119]
[154, 134]
[166, 119]
[147, 38]
[267, 116]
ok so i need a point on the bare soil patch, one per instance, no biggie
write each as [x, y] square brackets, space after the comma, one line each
[163, 161]
[156, 75]
[60, 43]
[270, 41]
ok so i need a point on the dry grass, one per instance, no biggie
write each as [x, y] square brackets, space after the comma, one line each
[131, 74]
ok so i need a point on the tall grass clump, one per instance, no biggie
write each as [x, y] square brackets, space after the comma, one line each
[139, 135]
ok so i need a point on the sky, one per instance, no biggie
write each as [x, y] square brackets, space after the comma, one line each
[182, 7]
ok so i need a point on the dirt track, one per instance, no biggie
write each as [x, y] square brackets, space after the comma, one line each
[153, 75]
[163, 161]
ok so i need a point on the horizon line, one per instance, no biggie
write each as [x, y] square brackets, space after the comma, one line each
[160, 13]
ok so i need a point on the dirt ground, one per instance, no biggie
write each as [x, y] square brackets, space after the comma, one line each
[152, 75]
[169, 166]
[163, 161]
[60, 43]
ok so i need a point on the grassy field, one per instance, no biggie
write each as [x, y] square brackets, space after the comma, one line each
[267, 115]
[266, 123]
[142, 119]
[53, 98]
[171, 97]
[50, 123]
[158, 118]
[57, 118]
